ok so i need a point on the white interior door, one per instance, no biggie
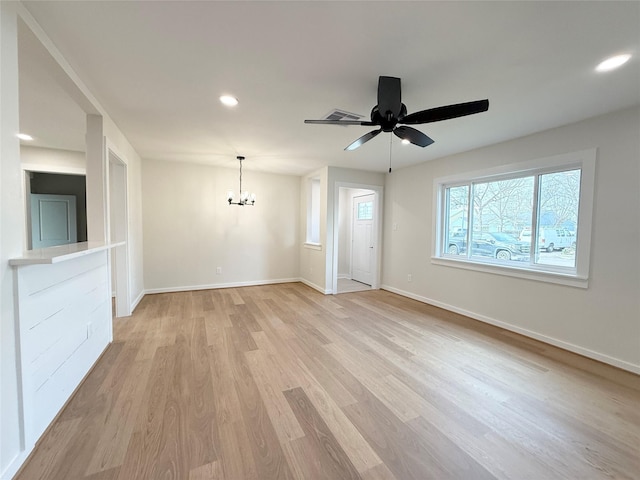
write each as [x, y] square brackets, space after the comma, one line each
[363, 239]
[53, 220]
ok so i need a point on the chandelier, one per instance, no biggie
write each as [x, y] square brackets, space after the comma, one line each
[246, 198]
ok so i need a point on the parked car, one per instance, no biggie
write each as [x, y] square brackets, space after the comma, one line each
[490, 244]
[550, 239]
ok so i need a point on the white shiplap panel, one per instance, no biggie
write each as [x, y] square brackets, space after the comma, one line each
[35, 278]
[44, 303]
[53, 394]
[44, 335]
[64, 325]
[77, 333]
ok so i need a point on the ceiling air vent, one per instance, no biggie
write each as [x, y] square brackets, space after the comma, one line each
[338, 115]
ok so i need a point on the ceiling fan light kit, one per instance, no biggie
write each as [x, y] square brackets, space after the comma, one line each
[390, 115]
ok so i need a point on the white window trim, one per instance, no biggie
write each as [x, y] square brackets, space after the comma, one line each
[313, 212]
[576, 277]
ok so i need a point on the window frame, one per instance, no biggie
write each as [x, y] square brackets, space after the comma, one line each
[577, 276]
[313, 214]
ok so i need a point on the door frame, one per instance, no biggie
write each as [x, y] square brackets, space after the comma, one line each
[117, 213]
[378, 191]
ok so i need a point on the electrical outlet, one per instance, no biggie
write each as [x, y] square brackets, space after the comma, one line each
[395, 227]
[409, 278]
[218, 270]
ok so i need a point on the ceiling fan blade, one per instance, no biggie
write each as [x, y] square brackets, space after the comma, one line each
[340, 122]
[414, 136]
[365, 138]
[445, 113]
[389, 96]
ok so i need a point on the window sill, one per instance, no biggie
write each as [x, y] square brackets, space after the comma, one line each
[560, 278]
[313, 246]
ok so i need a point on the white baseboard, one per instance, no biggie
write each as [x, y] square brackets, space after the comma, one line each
[315, 287]
[16, 463]
[585, 352]
[344, 276]
[137, 301]
[219, 285]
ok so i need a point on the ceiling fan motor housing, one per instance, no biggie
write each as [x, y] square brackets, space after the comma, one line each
[387, 122]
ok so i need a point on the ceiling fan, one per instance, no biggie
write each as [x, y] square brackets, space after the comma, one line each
[390, 111]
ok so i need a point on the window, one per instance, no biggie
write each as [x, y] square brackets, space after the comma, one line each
[365, 211]
[531, 220]
[313, 212]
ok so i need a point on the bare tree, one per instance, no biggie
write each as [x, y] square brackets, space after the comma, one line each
[508, 204]
[501, 204]
[560, 196]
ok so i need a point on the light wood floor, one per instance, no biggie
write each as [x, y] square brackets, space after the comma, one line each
[282, 382]
[346, 285]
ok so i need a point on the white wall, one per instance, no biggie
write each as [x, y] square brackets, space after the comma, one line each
[52, 159]
[12, 222]
[190, 229]
[313, 258]
[602, 321]
[12, 233]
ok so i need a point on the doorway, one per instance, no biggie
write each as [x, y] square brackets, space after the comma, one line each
[55, 207]
[357, 242]
[362, 239]
[118, 232]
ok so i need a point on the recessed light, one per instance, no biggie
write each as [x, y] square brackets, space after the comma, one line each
[405, 141]
[24, 136]
[612, 63]
[229, 100]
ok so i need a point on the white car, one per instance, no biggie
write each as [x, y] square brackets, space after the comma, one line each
[550, 239]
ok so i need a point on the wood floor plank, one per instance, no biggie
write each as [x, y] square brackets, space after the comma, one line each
[236, 452]
[360, 452]
[84, 401]
[267, 452]
[118, 426]
[282, 418]
[210, 471]
[146, 443]
[196, 394]
[379, 472]
[241, 334]
[327, 453]
[51, 449]
[279, 381]
[225, 397]
[406, 453]
[318, 366]
[72, 460]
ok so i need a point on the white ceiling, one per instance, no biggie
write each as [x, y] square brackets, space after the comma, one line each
[158, 69]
